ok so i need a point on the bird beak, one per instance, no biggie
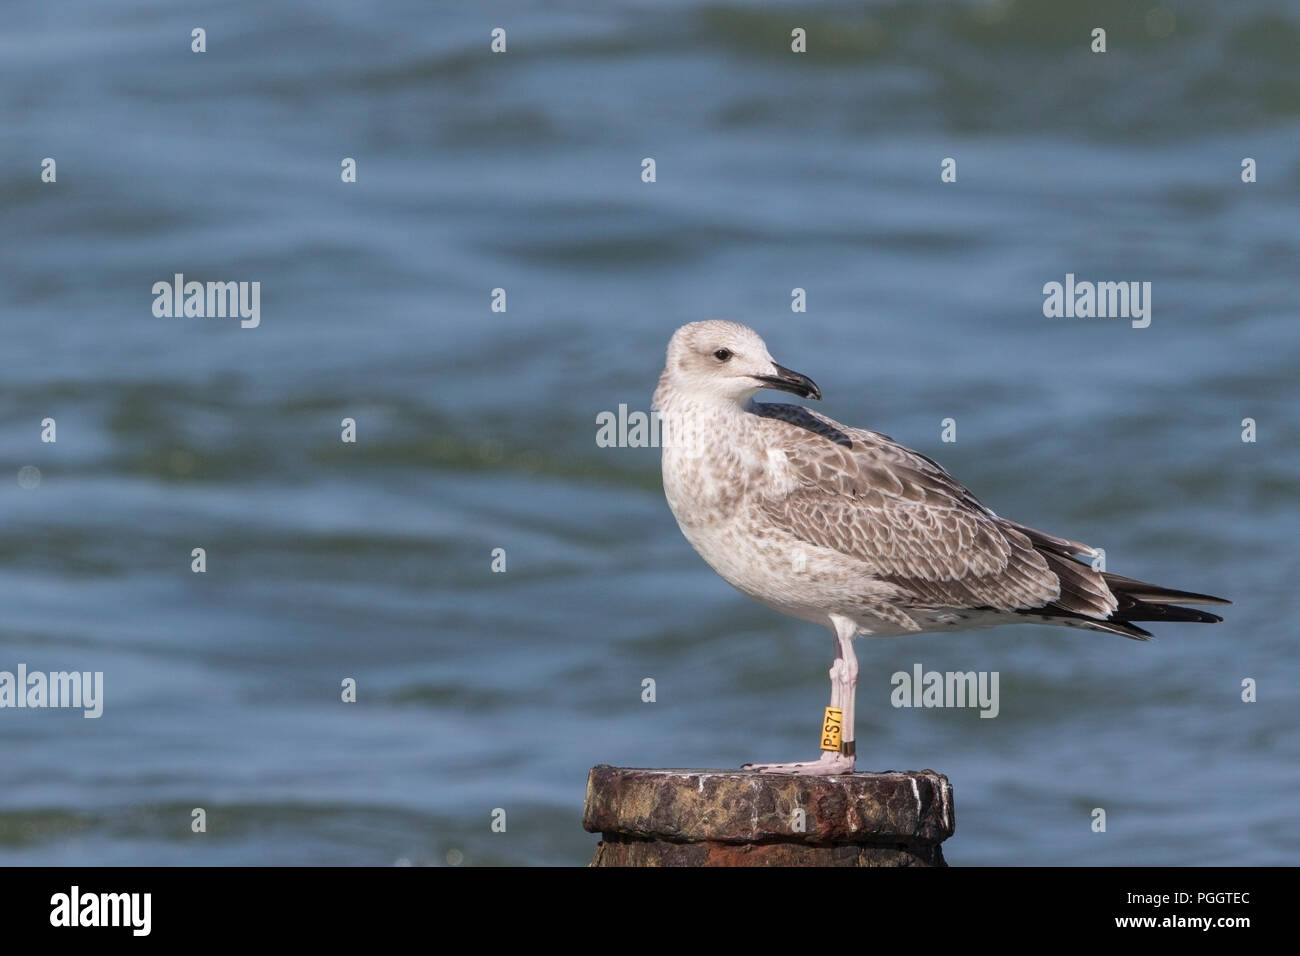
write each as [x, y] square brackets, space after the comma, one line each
[790, 381]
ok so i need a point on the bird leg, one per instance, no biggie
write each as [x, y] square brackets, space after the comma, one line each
[844, 685]
[844, 632]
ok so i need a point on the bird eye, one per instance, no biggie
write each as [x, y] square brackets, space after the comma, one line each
[722, 354]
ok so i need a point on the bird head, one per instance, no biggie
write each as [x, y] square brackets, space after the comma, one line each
[727, 361]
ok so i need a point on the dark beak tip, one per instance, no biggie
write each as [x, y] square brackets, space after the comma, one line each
[790, 381]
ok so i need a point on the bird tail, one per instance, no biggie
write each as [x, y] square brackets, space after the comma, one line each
[1085, 603]
[1139, 601]
[1141, 591]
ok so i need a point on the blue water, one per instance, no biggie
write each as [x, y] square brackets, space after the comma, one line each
[476, 429]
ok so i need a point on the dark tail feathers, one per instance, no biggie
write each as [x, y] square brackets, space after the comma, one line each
[1138, 601]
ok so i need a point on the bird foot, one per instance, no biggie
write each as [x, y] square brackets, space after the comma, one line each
[830, 764]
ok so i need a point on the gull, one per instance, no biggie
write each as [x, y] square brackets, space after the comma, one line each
[846, 528]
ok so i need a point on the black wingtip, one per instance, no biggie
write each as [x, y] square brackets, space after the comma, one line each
[1166, 612]
[1122, 587]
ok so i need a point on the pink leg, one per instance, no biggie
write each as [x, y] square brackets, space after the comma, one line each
[844, 685]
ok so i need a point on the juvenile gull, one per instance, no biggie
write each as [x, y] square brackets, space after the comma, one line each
[847, 528]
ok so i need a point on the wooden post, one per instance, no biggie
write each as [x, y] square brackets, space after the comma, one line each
[741, 818]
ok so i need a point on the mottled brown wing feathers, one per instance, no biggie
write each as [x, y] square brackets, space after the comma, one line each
[862, 494]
